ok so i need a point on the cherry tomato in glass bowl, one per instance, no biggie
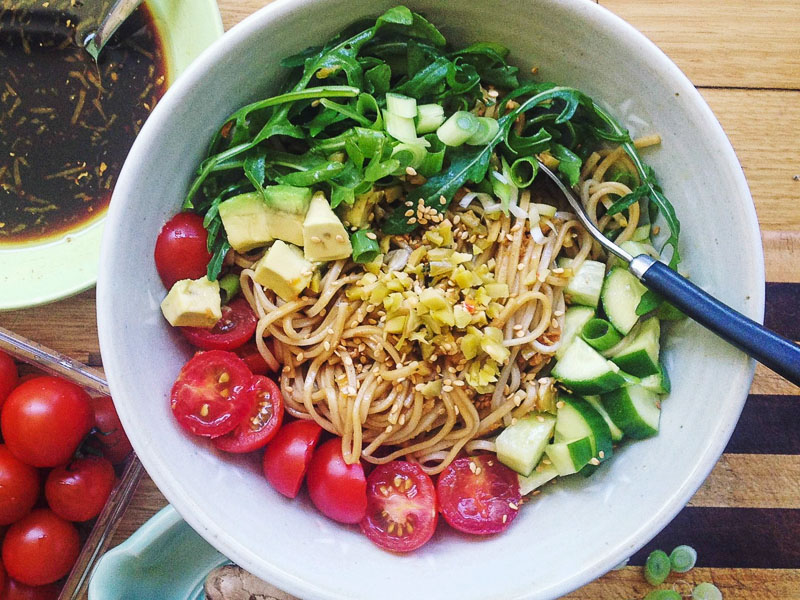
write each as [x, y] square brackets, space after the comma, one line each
[208, 398]
[478, 495]
[40, 548]
[181, 251]
[19, 591]
[261, 423]
[79, 490]
[401, 507]
[337, 489]
[109, 436]
[288, 455]
[237, 326]
[9, 377]
[19, 487]
[45, 419]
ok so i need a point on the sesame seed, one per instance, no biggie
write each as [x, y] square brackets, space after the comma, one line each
[316, 239]
[411, 171]
[372, 236]
[560, 404]
[409, 213]
[300, 357]
[493, 93]
[601, 454]
[505, 518]
[517, 327]
[447, 388]
[540, 418]
[594, 462]
[442, 200]
[520, 266]
[513, 506]
[327, 345]
[340, 238]
[412, 220]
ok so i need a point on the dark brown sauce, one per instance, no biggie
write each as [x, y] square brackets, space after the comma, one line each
[67, 124]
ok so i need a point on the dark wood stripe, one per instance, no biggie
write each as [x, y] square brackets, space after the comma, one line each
[770, 424]
[751, 538]
[782, 309]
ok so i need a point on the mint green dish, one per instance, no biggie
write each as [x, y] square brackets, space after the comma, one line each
[164, 560]
[37, 273]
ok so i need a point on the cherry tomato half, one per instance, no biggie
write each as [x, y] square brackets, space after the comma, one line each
[41, 548]
[20, 591]
[45, 419]
[478, 495]
[338, 490]
[237, 325]
[79, 490]
[249, 354]
[401, 507]
[288, 455]
[109, 436]
[19, 487]
[261, 423]
[9, 377]
[208, 397]
[181, 251]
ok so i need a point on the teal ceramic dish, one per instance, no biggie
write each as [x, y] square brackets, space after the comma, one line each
[41, 272]
[164, 559]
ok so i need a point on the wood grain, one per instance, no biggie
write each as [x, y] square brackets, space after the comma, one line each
[764, 134]
[728, 43]
[735, 584]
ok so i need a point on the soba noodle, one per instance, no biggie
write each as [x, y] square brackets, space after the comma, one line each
[394, 394]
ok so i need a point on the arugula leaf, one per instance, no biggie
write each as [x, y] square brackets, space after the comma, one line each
[640, 192]
[255, 168]
[378, 79]
[468, 163]
[425, 80]
[569, 163]
[217, 258]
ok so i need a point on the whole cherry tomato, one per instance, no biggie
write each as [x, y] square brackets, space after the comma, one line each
[237, 325]
[337, 489]
[209, 398]
[40, 548]
[20, 591]
[252, 357]
[109, 436]
[478, 495]
[181, 251]
[288, 455]
[9, 377]
[262, 422]
[19, 487]
[45, 419]
[401, 507]
[79, 490]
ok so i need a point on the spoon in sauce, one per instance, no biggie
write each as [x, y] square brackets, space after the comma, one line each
[122, 9]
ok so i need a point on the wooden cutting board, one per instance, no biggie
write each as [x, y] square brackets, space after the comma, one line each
[744, 56]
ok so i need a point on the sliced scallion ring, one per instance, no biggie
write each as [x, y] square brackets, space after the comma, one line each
[460, 127]
[657, 567]
[683, 559]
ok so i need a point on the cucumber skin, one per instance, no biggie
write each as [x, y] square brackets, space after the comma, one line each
[600, 385]
[601, 433]
[619, 407]
[613, 314]
[580, 453]
[637, 363]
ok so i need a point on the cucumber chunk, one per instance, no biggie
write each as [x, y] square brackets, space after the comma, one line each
[577, 419]
[540, 475]
[621, 295]
[520, 446]
[570, 457]
[574, 320]
[583, 370]
[616, 433]
[586, 283]
[658, 383]
[634, 409]
[638, 352]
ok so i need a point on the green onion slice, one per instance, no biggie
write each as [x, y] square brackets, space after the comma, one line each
[706, 591]
[663, 595]
[657, 567]
[459, 128]
[601, 335]
[683, 559]
[365, 246]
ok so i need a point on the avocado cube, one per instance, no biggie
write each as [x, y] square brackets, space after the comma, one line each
[324, 236]
[286, 226]
[283, 270]
[246, 221]
[193, 303]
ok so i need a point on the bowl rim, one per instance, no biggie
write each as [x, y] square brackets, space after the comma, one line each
[617, 551]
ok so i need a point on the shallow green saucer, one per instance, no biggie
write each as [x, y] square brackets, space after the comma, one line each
[33, 274]
[164, 560]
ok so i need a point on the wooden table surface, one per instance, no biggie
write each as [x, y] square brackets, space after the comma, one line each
[744, 57]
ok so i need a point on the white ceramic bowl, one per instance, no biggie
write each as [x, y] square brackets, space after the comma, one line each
[577, 530]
